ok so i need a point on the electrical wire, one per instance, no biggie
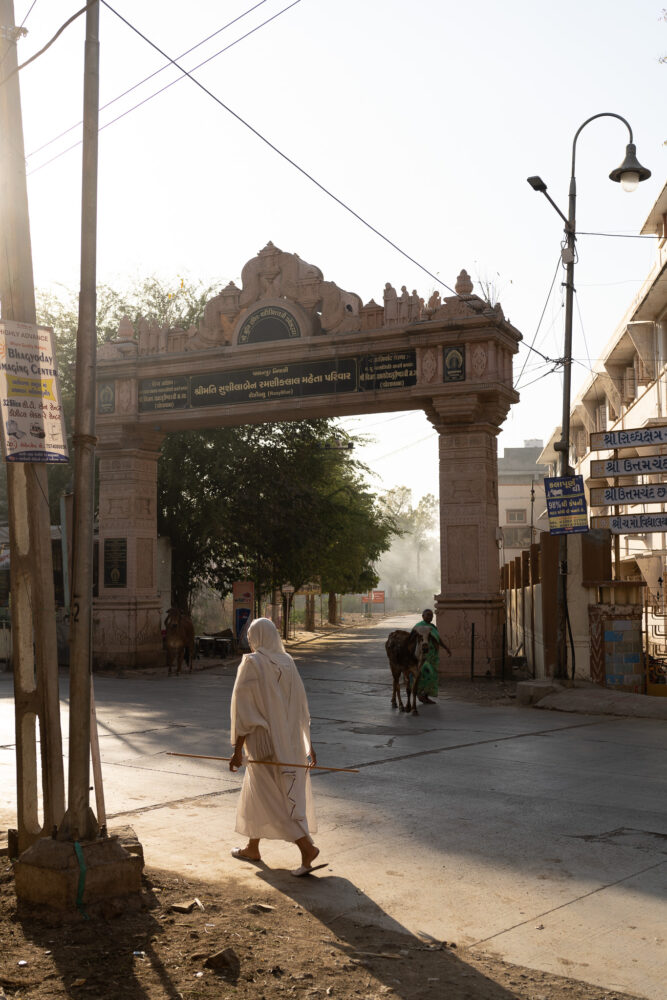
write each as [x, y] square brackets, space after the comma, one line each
[546, 303]
[539, 379]
[160, 70]
[283, 155]
[29, 12]
[48, 44]
[411, 444]
[624, 236]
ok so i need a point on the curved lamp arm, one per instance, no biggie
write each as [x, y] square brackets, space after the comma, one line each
[602, 114]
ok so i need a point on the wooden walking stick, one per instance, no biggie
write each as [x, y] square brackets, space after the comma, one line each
[272, 763]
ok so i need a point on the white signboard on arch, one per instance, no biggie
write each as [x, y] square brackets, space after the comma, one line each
[33, 423]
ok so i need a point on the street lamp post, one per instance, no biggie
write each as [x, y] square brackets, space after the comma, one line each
[629, 174]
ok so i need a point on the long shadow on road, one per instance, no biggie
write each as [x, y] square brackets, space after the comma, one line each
[380, 947]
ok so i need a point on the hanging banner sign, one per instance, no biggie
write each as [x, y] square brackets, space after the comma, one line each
[566, 504]
[33, 422]
[637, 438]
[649, 493]
[637, 466]
[627, 524]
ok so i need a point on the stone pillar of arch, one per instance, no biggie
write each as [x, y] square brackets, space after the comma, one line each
[468, 427]
[126, 614]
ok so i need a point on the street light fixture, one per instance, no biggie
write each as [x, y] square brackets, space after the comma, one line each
[629, 174]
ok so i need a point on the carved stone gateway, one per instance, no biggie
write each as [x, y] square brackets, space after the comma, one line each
[289, 345]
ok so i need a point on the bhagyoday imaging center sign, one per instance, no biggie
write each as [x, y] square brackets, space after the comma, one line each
[33, 423]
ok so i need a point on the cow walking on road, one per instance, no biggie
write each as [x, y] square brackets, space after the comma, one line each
[406, 652]
[179, 638]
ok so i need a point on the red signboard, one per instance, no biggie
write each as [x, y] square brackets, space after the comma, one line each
[378, 597]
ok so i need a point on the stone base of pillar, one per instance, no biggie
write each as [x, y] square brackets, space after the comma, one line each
[50, 876]
[127, 633]
[455, 618]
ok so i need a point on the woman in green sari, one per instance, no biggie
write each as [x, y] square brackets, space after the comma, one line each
[428, 680]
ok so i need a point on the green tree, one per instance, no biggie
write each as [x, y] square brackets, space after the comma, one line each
[271, 503]
[177, 303]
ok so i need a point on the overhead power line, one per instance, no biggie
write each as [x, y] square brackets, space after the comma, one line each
[624, 236]
[49, 43]
[29, 12]
[150, 76]
[280, 153]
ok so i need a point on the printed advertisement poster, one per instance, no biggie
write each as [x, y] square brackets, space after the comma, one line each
[33, 422]
[243, 593]
[566, 504]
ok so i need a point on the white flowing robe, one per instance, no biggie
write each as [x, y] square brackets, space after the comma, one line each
[269, 707]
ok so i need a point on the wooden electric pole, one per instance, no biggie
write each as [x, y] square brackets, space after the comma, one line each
[34, 642]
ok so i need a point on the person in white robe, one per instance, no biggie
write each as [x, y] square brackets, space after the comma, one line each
[270, 720]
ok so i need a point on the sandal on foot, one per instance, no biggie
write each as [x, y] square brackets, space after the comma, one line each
[306, 869]
[237, 852]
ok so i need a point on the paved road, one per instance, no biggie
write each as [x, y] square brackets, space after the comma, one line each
[538, 836]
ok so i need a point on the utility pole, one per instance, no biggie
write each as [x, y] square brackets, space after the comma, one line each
[80, 821]
[35, 648]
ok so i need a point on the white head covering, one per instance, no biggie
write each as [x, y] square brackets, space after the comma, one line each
[264, 639]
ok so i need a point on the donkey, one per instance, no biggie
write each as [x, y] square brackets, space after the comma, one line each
[179, 638]
[406, 652]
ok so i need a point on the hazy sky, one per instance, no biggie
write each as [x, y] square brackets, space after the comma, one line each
[424, 117]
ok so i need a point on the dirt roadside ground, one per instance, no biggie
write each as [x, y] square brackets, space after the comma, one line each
[261, 945]
[254, 944]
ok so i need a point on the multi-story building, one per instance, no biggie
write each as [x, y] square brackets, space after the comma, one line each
[521, 503]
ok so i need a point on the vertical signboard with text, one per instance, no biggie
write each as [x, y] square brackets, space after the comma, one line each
[566, 504]
[33, 423]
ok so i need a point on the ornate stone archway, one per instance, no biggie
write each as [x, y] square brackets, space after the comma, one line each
[289, 345]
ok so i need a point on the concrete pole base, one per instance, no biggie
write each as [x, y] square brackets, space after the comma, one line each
[106, 881]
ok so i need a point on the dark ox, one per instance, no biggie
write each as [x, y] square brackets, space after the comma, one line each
[406, 652]
[179, 638]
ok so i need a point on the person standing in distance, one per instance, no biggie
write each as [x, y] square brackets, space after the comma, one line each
[271, 720]
[428, 680]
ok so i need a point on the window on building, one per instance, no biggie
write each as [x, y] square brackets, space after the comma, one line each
[517, 537]
[516, 516]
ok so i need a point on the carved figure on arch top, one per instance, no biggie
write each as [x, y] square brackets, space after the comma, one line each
[390, 305]
[404, 305]
[217, 323]
[415, 306]
[340, 310]
[434, 304]
[275, 274]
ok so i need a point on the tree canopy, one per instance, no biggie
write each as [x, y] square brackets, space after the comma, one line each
[271, 503]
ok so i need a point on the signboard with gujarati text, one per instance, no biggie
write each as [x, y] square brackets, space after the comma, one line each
[265, 383]
[605, 496]
[627, 524]
[637, 437]
[566, 504]
[637, 465]
[33, 422]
